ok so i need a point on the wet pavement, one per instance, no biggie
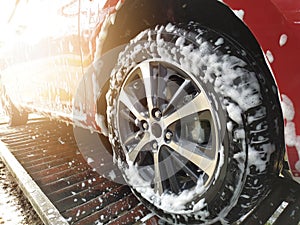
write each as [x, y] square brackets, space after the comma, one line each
[15, 209]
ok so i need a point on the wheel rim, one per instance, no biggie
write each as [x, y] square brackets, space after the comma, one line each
[167, 128]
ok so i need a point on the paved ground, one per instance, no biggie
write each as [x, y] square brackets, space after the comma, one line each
[14, 207]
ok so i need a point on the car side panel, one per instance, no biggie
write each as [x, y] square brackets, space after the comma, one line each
[276, 26]
[43, 63]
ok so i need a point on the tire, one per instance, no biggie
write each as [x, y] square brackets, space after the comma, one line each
[15, 117]
[193, 124]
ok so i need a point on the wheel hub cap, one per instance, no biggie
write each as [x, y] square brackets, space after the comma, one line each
[156, 130]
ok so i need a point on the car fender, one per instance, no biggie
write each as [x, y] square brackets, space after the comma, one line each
[275, 25]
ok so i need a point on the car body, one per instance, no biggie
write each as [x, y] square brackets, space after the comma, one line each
[275, 24]
[50, 61]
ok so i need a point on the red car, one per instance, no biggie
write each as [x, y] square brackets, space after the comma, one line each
[185, 91]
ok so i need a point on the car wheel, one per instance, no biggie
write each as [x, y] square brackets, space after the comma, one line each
[193, 125]
[15, 117]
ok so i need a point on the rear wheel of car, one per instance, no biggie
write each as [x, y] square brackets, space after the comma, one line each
[15, 117]
[191, 124]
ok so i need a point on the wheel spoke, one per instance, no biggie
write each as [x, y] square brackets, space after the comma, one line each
[170, 171]
[129, 139]
[126, 116]
[133, 153]
[207, 150]
[191, 153]
[132, 104]
[186, 169]
[150, 84]
[158, 186]
[196, 105]
[178, 94]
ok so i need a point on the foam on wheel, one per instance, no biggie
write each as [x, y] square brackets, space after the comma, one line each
[191, 124]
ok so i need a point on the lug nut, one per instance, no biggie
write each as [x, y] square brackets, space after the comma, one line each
[145, 125]
[136, 86]
[169, 135]
[157, 114]
[155, 145]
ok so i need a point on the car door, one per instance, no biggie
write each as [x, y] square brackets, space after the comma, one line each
[43, 55]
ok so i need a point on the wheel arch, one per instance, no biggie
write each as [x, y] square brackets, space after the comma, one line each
[137, 15]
